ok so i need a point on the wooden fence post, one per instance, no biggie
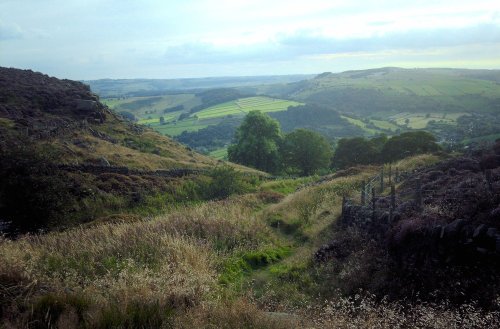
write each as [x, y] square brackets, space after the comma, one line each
[390, 174]
[363, 193]
[397, 175]
[418, 195]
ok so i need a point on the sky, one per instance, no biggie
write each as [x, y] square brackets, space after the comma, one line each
[95, 39]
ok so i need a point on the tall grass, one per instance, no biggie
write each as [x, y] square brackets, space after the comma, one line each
[168, 263]
[235, 263]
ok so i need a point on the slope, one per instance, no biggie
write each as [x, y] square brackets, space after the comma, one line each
[397, 90]
[67, 159]
[456, 105]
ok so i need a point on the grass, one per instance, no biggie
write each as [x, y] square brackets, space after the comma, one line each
[215, 114]
[153, 106]
[148, 110]
[384, 125]
[244, 105]
[219, 154]
[243, 262]
[361, 124]
[117, 266]
[176, 128]
[285, 186]
[420, 120]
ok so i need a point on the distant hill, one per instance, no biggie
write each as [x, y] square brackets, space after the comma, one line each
[457, 105]
[155, 87]
[397, 90]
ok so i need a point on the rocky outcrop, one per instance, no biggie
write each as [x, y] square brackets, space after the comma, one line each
[41, 107]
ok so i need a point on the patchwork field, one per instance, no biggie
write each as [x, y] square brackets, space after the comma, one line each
[213, 115]
[420, 120]
[244, 105]
[403, 120]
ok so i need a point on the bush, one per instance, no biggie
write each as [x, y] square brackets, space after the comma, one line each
[225, 181]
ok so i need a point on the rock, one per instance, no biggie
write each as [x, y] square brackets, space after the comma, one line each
[86, 105]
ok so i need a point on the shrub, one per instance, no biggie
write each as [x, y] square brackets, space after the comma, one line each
[225, 181]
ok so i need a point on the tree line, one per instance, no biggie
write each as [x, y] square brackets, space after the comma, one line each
[260, 143]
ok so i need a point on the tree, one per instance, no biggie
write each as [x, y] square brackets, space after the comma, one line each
[354, 151]
[257, 142]
[409, 143]
[306, 151]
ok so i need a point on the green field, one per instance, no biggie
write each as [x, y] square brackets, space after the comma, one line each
[176, 128]
[420, 120]
[244, 105]
[152, 106]
[363, 125]
[219, 154]
[384, 125]
[148, 110]
[215, 114]
[403, 120]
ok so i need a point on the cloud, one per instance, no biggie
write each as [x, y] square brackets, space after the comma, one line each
[310, 43]
[10, 31]
[307, 43]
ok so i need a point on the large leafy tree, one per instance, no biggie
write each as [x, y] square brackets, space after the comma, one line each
[306, 151]
[354, 151]
[257, 141]
[409, 143]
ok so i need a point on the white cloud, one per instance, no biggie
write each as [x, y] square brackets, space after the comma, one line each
[125, 38]
[10, 31]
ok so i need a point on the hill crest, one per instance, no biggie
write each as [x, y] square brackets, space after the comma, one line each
[65, 119]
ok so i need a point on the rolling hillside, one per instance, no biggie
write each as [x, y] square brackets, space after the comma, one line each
[152, 87]
[456, 105]
[67, 159]
[459, 106]
[396, 89]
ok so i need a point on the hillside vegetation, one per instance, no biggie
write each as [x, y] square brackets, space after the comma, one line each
[67, 159]
[247, 261]
[458, 106]
[453, 104]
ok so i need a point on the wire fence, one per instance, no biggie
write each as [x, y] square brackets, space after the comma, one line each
[384, 185]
